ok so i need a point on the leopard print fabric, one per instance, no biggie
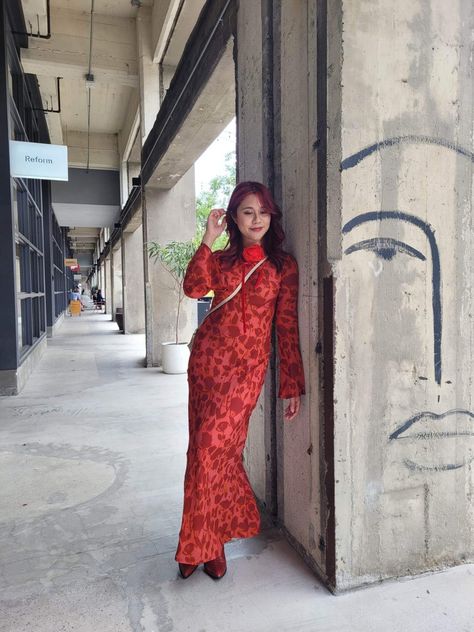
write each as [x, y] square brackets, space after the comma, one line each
[225, 375]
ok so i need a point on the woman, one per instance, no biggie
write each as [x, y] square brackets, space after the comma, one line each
[227, 369]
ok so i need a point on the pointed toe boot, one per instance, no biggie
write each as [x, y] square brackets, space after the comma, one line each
[216, 568]
[186, 570]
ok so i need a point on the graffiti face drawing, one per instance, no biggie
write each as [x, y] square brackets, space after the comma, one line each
[373, 237]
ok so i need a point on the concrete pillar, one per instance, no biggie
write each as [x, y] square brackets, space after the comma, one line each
[275, 146]
[108, 286]
[117, 290]
[254, 163]
[169, 215]
[401, 83]
[133, 283]
[302, 503]
[149, 77]
[102, 278]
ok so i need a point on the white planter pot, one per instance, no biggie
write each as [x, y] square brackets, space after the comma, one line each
[174, 357]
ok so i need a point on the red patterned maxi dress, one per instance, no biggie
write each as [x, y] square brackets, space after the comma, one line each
[225, 376]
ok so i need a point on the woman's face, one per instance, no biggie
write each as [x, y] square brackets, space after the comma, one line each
[252, 220]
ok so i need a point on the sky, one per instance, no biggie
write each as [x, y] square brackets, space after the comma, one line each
[211, 162]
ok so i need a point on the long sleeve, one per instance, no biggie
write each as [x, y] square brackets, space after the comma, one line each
[200, 274]
[286, 319]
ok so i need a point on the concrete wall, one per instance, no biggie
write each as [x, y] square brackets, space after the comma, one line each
[404, 327]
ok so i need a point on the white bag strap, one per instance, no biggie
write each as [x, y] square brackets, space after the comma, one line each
[237, 289]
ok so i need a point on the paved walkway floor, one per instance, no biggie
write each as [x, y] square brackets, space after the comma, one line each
[91, 467]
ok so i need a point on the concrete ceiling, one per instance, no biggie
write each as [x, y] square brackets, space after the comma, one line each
[113, 59]
[114, 65]
[34, 9]
[95, 138]
[67, 54]
[118, 8]
[83, 239]
[86, 215]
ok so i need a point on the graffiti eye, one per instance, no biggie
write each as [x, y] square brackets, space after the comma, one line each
[385, 248]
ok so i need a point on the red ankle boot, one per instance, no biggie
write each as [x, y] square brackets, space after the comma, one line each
[186, 569]
[216, 568]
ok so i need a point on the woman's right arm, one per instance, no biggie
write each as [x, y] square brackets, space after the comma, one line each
[200, 276]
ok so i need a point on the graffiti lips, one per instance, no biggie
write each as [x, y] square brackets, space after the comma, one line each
[421, 436]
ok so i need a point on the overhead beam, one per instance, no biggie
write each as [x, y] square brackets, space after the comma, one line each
[205, 47]
[55, 128]
[212, 112]
[46, 64]
[130, 128]
[163, 16]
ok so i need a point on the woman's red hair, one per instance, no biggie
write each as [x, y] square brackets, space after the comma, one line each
[272, 239]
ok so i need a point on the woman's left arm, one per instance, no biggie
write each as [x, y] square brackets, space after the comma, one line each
[292, 383]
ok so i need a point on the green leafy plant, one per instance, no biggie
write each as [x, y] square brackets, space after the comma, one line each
[174, 257]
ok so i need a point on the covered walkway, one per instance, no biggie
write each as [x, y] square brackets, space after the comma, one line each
[92, 462]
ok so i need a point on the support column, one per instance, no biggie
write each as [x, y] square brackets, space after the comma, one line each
[133, 282]
[100, 283]
[276, 123]
[253, 164]
[117, 290]
[149, 77]
[108, 289]
[169, 215]
[404, 344]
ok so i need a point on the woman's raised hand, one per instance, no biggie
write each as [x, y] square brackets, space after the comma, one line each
[214, 227]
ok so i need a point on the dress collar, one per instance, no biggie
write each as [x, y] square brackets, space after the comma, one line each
[253, 254]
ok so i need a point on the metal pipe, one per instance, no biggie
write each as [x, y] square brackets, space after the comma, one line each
[89, 75]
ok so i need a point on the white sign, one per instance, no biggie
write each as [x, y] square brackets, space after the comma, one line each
[38, 160]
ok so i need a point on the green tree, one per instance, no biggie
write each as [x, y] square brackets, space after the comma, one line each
[216, 195]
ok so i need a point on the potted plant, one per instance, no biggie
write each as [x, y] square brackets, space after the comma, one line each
[174, 257]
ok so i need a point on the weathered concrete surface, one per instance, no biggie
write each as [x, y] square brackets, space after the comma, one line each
[148, 72]
[108, 288]
[169, 215]
[277, 146]
[133, 281]
[92, 465]
[117, 293]
[301, 507]
[404, 341]
[258, 454]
